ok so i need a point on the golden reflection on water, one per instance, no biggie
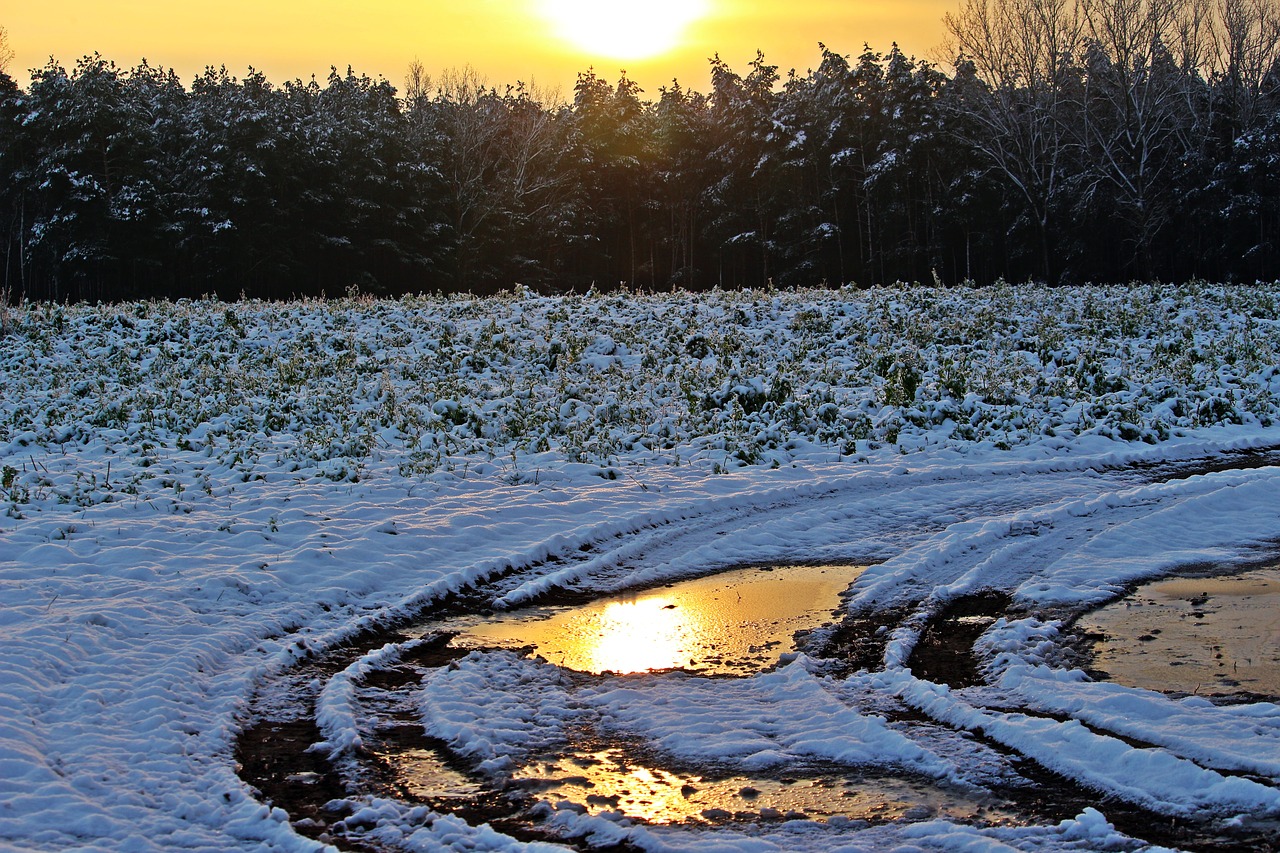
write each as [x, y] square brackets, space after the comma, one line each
[612, 780]
[733, 623]
[635, 636]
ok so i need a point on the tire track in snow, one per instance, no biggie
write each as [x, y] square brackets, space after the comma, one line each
[865, 516]
[869, 513]
[1069, 556]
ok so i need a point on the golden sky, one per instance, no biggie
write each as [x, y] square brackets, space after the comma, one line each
[504, 40]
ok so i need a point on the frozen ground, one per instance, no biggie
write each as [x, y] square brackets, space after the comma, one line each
[199, 495]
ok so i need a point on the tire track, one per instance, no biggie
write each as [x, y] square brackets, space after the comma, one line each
[859, 516]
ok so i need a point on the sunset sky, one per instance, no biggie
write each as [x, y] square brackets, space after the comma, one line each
[546, 41]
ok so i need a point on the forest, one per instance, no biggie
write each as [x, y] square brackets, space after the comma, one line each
[1068, 141]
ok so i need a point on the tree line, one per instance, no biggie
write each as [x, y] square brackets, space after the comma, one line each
[1073, 140]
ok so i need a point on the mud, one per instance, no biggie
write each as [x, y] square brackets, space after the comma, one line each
[273, 759]
[944, 652]
[1234, 460]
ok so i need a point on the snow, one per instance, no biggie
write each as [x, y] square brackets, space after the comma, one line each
[498, 708]
[201, 494]
[1242, 739]
[1152, 778]
[1089, 831]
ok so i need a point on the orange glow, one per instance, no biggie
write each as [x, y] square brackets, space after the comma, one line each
[636, 636]
[734, 623]
[534, 41]
[623, 30]
[612, 779]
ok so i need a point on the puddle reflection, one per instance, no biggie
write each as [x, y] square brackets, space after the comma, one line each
[422, 774]
[610, 780]
[633, 636]
[1194, 635]
[734, 623]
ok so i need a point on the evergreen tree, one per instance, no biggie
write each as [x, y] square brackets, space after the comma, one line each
[683, 134]
[748, 159]
[1074, 140]
[14, 176]
[615, 153]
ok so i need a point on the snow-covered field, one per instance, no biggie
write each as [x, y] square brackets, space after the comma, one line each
[201, 494]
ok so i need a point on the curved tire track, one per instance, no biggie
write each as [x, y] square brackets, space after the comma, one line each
[838, 517]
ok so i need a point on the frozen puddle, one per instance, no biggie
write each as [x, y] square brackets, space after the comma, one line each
[734, 623]
[1194, 635]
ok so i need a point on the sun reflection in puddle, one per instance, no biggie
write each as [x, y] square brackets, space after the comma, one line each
[658, 622]
[610, 780]
[736, 623]
[733, 623]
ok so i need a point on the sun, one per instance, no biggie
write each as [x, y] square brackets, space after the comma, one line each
[622, 30]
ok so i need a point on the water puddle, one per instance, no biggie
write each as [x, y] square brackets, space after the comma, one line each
[1194, 635]
[944, 652]
[735, 623]
[614, 780]
[731, 625]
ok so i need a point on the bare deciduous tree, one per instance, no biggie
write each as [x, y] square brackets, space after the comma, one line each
[1135, 123]
[6, 51]
[1247, 52]
[1020, 51]
[501, 158]
[417, 87]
